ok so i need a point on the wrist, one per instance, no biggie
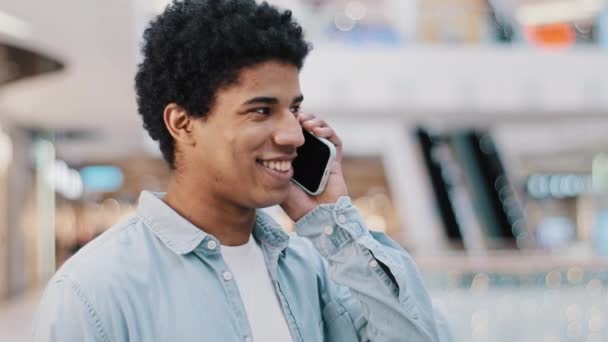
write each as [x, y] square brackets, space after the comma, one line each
[324, 214]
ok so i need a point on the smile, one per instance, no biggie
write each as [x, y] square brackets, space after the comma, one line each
[276, 165]
[279, 169]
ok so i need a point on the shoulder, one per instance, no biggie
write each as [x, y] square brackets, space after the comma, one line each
[101, 253]
[106, 263]
[98, 280]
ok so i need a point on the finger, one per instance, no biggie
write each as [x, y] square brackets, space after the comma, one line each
[323, 132]
[329, 134]
[320, 128]
[335, 139]
[313, 123]
[302, 117]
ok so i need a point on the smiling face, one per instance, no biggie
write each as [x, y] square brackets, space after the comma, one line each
[243, 148]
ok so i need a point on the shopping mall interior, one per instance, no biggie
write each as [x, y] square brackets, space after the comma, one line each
[474, 135]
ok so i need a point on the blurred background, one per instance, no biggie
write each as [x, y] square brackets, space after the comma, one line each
[475, 132]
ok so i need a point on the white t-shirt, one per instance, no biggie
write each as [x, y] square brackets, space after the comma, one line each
[257, 290]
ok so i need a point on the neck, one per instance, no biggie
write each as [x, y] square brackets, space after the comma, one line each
[230, 224]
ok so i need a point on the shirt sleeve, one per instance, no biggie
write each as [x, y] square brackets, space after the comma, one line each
[65, 314]
[387, 300]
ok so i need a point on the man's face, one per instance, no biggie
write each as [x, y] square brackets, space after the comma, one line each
[245, 146]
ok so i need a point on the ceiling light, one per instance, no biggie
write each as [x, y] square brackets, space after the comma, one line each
[355, 10]
[344, 23]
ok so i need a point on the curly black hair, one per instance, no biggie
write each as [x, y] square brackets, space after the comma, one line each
[195, 47]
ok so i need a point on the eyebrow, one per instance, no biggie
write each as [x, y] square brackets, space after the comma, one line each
[270, 100]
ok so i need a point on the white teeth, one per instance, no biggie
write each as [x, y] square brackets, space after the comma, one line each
[281, 166]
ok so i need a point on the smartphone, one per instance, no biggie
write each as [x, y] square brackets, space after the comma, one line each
[311, 167]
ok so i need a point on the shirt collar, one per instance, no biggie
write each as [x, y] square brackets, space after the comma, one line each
[177, 233]
[182, 237]
[269, 232]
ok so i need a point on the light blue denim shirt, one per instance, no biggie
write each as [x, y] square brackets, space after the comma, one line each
[157, 277]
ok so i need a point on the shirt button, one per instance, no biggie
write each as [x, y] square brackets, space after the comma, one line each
[212, 245]
[227, 276]
[248, 339]
[328, 230]
[373, 264]
[341, 218]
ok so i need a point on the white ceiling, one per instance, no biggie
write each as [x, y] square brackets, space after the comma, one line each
[98, 42]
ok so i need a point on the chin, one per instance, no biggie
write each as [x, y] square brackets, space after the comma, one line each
[270, 198]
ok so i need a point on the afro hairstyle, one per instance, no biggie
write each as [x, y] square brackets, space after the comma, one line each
[196, 47]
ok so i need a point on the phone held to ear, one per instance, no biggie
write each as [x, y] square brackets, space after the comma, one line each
[313, 164]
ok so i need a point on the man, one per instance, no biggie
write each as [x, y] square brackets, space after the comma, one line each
[219, 89]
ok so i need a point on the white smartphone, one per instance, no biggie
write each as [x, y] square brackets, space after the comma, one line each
[313, 164]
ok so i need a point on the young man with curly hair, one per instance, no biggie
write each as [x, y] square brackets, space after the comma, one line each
[219, 90]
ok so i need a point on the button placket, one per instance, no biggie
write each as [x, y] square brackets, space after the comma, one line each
[209, 252]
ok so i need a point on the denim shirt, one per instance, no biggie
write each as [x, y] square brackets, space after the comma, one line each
[157, 277]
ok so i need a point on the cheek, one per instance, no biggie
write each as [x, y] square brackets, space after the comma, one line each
[239, 157]
[251, 141]
[215, 156]
[244, 145]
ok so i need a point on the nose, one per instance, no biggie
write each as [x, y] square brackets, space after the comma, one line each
[289, 132]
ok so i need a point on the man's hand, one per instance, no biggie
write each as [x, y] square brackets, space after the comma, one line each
[298, 202]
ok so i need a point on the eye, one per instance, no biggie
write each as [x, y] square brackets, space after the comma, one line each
[296, 110]
[261, 110]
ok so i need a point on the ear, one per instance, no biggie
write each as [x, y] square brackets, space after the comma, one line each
[179, 123]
